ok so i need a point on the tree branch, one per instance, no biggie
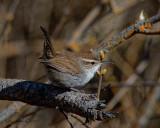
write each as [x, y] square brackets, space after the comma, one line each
[139, 27]
[46, 95]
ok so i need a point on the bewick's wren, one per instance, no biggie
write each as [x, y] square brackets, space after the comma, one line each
[69, 69]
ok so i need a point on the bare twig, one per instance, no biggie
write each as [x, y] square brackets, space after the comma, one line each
[149, 112]
[66, 118]
[9, 16]
[101, 55]
[10, 110]
[138, 27]
[4, 32]
[119, 7]
[91, 16]
[99, 83]
[142, 84]
[22, 118]
[140, 68]
[80, 120]
[66, 15]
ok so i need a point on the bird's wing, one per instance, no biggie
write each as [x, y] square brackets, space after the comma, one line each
[63, 65]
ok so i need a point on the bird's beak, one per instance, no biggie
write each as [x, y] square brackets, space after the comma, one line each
[106, 62]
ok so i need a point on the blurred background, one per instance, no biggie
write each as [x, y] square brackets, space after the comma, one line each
[129, 87]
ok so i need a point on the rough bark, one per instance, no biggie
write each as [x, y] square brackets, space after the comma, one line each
[65, 99]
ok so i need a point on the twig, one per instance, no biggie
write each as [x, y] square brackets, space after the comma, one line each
[142, 84]
[101, 55]
[10, 110]
[140, 68]
[66, 118]
[10, 16]
[144, 120]
[80, 120]
[36, 109]
[120, 7]
[99, 83]
[138, 27]
[66, 15]
[91, 16]
[4, 32]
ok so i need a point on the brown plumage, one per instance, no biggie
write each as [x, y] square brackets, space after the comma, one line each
[68, 69]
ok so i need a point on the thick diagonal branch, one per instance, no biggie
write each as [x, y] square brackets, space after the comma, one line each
[40, 94]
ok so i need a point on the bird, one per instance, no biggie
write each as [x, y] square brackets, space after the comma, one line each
[68, 69]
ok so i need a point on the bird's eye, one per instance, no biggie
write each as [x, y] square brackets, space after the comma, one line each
[92, 63]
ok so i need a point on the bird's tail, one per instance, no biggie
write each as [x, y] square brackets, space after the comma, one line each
[48, 51]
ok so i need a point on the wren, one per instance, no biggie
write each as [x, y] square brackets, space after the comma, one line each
[68, 69]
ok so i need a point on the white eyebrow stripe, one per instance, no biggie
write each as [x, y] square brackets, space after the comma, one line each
[88, 60]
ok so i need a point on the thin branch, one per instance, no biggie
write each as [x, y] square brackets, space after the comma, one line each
[150, 108]
[99, 83]
[66, 118]
[9, 16]
[67, 13]
[10, 110]
[140, 68]
[21, 118]
[101, 55]
[80, 120]
[142, 84]
[90, 17]
[40, 94]
[138, 27]
[150, 32]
